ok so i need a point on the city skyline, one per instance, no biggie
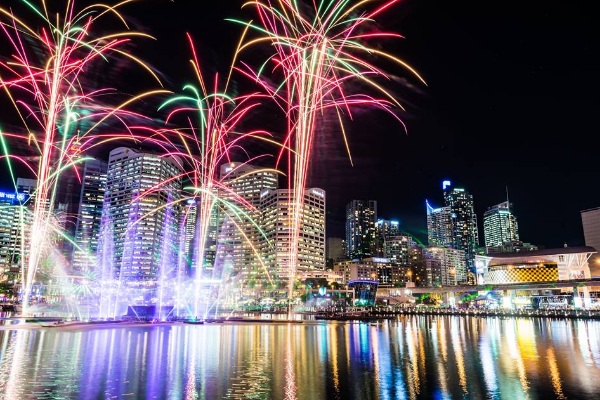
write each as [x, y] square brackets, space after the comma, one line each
[517, 106]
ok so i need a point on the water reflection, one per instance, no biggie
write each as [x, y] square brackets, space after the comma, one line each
[441, 357]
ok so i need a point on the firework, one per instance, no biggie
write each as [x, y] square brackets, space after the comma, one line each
[320, 51]
[207, 140]
[44, 77]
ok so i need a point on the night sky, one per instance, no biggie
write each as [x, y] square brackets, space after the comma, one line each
[510, 103]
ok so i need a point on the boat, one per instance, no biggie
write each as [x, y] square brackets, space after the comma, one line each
[193, 321]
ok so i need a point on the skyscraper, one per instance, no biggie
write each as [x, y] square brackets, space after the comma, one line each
[384, 230]
[275, 207]
[90, 214]
[500, 225]
[14, 217]
[465, 235]
[361, 233]
[140, 219]
[240, 237]
[439, 226]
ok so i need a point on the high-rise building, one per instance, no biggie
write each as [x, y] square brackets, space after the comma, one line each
[335, 249]
[141, 215]
[445, 266]
[187, 234]
[397, 249]
[465, 235]
[439, 226]
[361, 233]
[240, 236]
[276, 216]
[14, 217]
[384, 229]
[500, 225]
[91, 202]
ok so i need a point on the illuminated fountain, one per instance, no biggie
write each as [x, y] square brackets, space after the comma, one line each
[44, 77]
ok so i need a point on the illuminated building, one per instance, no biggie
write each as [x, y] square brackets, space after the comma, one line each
[445, 266]
[590, 220]
[240, 239]
[548, 265]
[140, 219]
[276, 223]
[465, 235]
[187, 234]
[500, 225]
[14, 217]
[397, 249]
[378, 269]
[439, 226]
[360, 228]
[89, 220]
[384, 229]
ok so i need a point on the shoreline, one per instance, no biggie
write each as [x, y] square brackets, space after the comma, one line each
[56, 323]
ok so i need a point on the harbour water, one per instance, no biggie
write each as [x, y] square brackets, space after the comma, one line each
[409, 357]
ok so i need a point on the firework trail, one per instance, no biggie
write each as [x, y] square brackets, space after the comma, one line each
[320, 49]
[206, 141]
[44, 80]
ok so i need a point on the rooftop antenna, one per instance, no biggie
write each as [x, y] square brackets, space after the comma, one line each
[507, 201]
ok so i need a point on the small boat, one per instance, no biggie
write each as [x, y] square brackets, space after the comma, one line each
[193, 321]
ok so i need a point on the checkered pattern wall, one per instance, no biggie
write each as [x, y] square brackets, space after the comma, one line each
[518, 275]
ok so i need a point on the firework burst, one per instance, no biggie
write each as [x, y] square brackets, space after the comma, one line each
[320, 50]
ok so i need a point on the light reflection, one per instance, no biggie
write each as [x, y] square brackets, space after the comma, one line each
[409, 358]
[555, 374]
[458, 353]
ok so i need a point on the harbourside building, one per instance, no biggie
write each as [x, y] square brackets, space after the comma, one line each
[141, 217]
[361, 233]
[590, 220]
[548, 265]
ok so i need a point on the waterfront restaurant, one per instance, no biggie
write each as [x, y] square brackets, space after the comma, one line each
[540, 266]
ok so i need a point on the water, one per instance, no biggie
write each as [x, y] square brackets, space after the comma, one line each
[413, 357]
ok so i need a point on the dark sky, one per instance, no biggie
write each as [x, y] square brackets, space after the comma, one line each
[511, 102]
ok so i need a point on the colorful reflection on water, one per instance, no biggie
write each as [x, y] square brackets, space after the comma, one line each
[414, 357]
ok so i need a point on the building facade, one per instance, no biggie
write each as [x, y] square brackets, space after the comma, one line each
[445, 266]
[361, 233]
[439, 226]
[276, 212]
[89, 219]
[141, 217]
[590, 220]
[465, 234]
[14, 218]
[241, 236]
[500, 225]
